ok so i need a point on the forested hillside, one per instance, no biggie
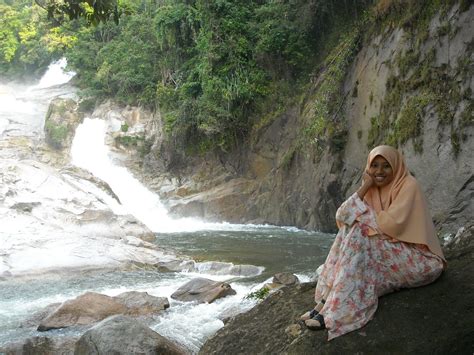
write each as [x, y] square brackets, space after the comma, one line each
[214, 69]
[277, 93]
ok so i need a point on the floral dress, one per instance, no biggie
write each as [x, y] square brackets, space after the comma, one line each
[361, 268]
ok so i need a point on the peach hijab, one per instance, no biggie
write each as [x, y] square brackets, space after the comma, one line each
[402, 211]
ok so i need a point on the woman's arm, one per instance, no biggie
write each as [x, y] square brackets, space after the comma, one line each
[354, 206]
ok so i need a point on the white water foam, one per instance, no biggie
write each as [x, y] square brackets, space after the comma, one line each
[55, 75]
[90, 152]
[23, 107]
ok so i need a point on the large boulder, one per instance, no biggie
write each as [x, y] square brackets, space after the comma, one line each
[39, 345]
[93, 307]
[202, 290]
[88, 308]
[285, 278]
[141, 303]
[124, 335]
[61, 122]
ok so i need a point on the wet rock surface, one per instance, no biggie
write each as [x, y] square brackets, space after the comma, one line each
[93, 307]
[40, 345]
[434, 319]
[202, 290]
[55, 219]
[124, 335]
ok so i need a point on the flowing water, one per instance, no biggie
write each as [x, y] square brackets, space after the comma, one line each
[274, 249]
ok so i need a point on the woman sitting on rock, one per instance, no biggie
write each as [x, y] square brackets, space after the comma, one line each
[386, 241]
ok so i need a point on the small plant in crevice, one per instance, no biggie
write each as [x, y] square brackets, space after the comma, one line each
[259, 294]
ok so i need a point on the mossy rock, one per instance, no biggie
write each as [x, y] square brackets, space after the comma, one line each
[61, 122]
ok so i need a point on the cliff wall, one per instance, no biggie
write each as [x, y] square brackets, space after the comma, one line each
[407, 87]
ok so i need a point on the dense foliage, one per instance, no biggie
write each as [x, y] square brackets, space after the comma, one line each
[208, 65]
[28, 42]
[211, 67]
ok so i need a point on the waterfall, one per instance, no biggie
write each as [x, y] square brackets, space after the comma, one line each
[55, 75]
[23, 107]
[90, 152]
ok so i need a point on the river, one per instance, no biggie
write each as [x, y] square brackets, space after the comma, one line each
[273, 249]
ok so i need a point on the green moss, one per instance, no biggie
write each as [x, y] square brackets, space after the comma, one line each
[407, 61]
[86, 105]
[378, 126]
[467, 116]
[124, 127]
[409, 124]
[288, 158]
[416, 82]
[456, 144]
[327, 128]
[129, 141]
[56, 134]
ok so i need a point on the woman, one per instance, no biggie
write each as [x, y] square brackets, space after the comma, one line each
[386, 241]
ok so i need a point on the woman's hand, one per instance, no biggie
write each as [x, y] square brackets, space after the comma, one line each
[367, 183]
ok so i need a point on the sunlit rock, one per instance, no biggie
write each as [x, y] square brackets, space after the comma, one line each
[40, 345]
[285, 278]
[202, 290]
[65, 219]
[93, 307]
[123, 335]
[141, 303]
[88, 308]
[61, 122]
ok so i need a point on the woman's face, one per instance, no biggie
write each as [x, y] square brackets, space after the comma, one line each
[381, 171]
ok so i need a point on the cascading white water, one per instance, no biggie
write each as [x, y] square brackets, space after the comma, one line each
[55, 75]
[23, 107]
[90, 152]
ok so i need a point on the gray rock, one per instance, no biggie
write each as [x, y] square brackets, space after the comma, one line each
[61, 122]
[39, 345]
[88, 308]
[141, 303]
[25, 206]
[123, 335]
[202, 290]
[285, 278]
[93, 307]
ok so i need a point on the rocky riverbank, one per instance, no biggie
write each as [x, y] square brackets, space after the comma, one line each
[434, 319]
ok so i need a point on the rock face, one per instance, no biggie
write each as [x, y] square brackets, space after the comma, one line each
[60, 125]
[86, 309]
[62, 219]
[272, 178]
[41, 346]
[202, 290]
[141, 303]
[437, 318]
[285, 278]
[123, 335]
[93, 307]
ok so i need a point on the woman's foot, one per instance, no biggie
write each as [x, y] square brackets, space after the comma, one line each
[312, 313]
[309, 314]
[315, 323]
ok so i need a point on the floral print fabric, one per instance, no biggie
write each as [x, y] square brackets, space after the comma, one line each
[359, 269]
